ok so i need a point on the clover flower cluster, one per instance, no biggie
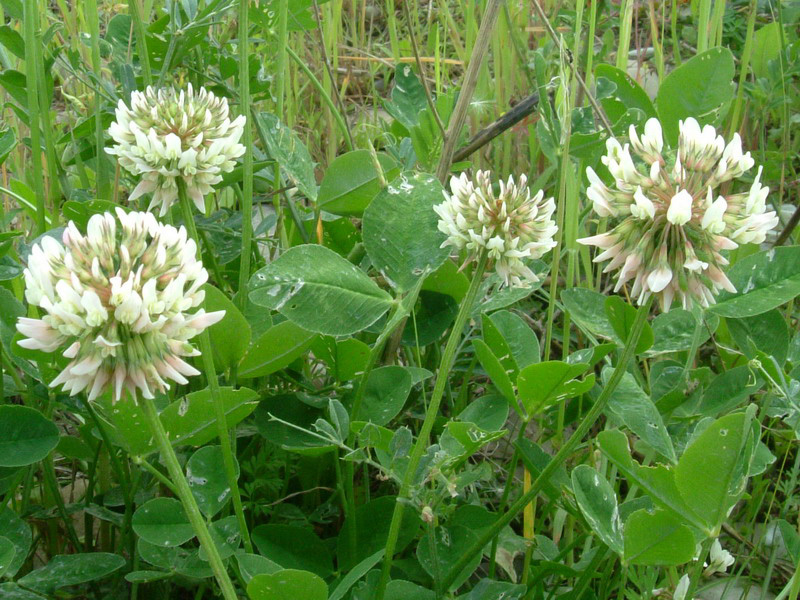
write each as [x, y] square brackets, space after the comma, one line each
[118, 299]
[511, 226]
[669, 218]
[169, 134]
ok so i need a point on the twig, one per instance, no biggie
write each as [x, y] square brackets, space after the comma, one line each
[459, 115]
[506, 121]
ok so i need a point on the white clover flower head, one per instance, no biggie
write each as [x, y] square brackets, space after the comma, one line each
[167, 134]
[669, 220]
[511, 225]
[118, 300]
[719, 560]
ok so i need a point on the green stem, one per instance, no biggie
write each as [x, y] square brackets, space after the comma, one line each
[446, 364]
[184, 492]
[280, 87]
[141, 41]
[247, 160]
[587, 423]
[32, 78]
[94, 29]
[213, 385]
[162, 479]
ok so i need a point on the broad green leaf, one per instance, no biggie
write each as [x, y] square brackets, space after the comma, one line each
[192, 420]
[289, 408]
[630, 405]
[286, 148]
[351, 182]
[11, 591]
[543, 384]
[372, 529]
[226, 536]
[18, 532]
[491, 590]
[81, 212]
[491, 364]
[461, 440]
[185, 561]
[408, 97]
[26, 435]
[288, 584]
[320, 291]
[767, 333]
[499, 346]
[7, 553]
[205, 472]
[707, 473]
[438, 553]
[488, 412]
[162, 522]
[386, 392]
[657, 538]
[627, 94]
[399, 589]
[126, 425]
[658, 481]
[251, 565]
[673, 332]
[230, 337]
[728, 390]
[434, 313]
[447, 279]
[73, 569]
[622, 315]
[144, 576]
[293, 547]
[702, 87]
[598, 503]
[277, 348]
[536, 459]
[766, 47]
[587, 309]
[520, 338]
[763, 281]
[400, 230]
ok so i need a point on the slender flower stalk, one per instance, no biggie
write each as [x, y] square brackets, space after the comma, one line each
[448, 358]
[168, 135]
[184, 492]
[213, 385]
[671, 222]
[117, 300]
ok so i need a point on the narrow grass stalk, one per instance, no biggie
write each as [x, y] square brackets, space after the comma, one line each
[141, 41]
[625, 23]
[32, 79]
[561, 456]
[280, 92]
[247, 159]
[213, 385]
[443, 373]
[703, 25]
[747, 52]
[93, 21]
[459, 116]
[673, 25]
[324, 95]
[184, 493]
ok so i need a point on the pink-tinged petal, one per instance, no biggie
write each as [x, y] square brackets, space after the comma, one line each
[119, 380]
[182, 366]
[99, 384]
[201, 320]
[603, 240]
